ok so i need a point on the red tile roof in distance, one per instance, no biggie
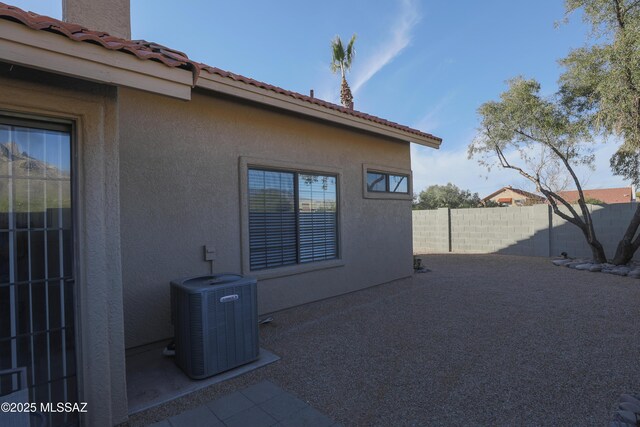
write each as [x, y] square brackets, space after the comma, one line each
[605, 195]
[526, 194]
[171, 58]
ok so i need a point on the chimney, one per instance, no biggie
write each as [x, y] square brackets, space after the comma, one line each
[110, 16]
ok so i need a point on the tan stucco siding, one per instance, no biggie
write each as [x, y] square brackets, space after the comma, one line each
[180, 190]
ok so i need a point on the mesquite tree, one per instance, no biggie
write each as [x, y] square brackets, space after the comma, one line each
[602, 83]
[599, 96]
[536, 137]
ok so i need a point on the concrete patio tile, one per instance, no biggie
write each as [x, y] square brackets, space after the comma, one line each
[254, 417]
[229, 405]
[198, 417]
[308, 417]
[283, 406]
[262, 391]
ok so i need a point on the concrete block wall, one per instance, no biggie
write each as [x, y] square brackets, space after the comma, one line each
[491, 230]
[431, 231]
[531, 230]
[610, 222]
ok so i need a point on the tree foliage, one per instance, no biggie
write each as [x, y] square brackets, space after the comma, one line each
[341, 59]
[446, 196]
[602, 81]
[593, 201]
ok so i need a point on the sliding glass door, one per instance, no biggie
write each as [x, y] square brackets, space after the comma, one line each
[37, 303]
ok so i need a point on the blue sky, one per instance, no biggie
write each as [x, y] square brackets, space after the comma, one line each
[425, 64]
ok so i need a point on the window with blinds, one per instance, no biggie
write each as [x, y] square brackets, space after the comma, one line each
[292, 218]
[317, 218]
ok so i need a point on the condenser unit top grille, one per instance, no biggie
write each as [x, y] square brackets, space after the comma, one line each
[203, 283]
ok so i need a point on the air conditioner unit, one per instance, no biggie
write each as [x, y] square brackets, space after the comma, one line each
[216, 323]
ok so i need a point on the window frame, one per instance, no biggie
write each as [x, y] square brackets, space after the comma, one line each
[387, 171]
[246, 163]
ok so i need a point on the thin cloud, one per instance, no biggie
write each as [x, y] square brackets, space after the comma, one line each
[431, 120]
[431, 167]
[441, 166]
[400, 39]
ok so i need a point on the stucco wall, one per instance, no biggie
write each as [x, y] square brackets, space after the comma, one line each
[531, 230]
[180, 190]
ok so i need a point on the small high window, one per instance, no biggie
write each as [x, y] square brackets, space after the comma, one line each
[382, 182]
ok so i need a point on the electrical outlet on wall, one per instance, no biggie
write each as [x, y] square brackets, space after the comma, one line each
[209, 253]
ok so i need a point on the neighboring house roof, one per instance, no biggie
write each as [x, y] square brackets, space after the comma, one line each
[605, 195]
[175, 59]
[526, 194]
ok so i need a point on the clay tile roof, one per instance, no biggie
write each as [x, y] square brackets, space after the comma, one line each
[139, 48]
[172, 58]
[605, 195]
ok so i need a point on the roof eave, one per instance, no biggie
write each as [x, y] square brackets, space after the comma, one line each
[224, 85]
[21, 45]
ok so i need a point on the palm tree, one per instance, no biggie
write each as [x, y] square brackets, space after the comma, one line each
[342, 61]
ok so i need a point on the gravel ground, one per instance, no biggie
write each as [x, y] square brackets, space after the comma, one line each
[480, 340]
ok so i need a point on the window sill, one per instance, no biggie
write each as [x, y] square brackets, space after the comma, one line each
[387, 196]
[293, 270]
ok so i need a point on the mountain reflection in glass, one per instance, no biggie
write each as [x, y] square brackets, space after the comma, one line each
[36, 263]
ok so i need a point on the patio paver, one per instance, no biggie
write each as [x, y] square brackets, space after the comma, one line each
[230, 405]
[260, 405]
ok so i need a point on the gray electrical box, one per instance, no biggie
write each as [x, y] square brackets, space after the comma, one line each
[216, 323]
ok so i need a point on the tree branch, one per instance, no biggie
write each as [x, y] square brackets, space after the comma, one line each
[564, 158]
[550, 195]
[631, 6]
[575, 219]
[619, 13]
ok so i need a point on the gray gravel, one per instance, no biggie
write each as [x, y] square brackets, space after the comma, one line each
[481, 340]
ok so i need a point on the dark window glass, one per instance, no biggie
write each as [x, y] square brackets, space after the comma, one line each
[376, 181]
[382, 182]
[292, 218]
